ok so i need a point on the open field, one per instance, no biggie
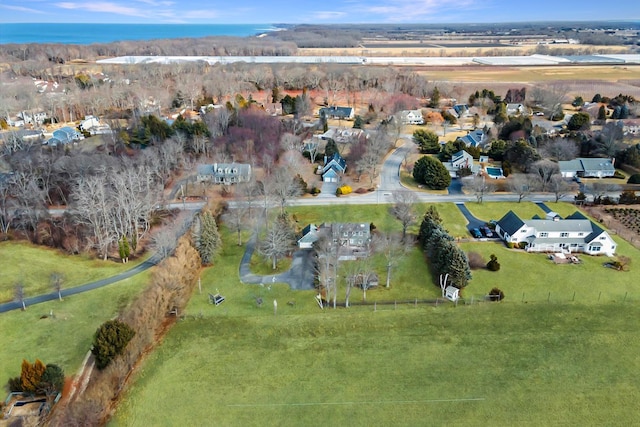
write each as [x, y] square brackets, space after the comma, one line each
[524, 361]
[65, 338]
[513, 364]
[32, 266]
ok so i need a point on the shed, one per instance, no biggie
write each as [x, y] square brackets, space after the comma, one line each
[452, 293]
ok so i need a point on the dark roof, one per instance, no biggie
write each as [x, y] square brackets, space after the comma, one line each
[510, 222]
[337, 111]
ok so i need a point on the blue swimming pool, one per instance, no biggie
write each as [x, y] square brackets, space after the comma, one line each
[494, 172]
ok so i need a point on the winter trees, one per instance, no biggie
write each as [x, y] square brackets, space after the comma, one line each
[520, 184]
[479, 186]
[393, 248]
[57, 280]
[403, 209]
[277, 242]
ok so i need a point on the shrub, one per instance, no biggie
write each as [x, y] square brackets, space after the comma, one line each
[343, 190]
[510, 245]
[634, 179]
[315, 190]
[522, 245]
[109, 341]
[476, 261]
[496, 294]
[493, 264]
[619, 175]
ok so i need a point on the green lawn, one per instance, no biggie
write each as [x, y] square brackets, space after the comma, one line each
[500, 364]
[65, 338]
[32, 266]
[525, 361]
[495, 210]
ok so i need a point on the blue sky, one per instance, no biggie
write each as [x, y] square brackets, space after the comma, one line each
[305, 11]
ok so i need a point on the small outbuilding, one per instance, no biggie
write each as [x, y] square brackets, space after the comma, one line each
[452, 293]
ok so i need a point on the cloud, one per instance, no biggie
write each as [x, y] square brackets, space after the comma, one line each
[198, 14]
[103, 7]
[20, 8]
[412, 10]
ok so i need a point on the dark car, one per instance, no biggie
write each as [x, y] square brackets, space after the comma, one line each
[487, 231]
[476, 233]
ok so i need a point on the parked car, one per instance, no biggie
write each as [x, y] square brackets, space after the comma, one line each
[476, 233]
[487, 232]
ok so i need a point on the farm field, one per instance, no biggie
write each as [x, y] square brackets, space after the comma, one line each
[65, 338]
[527, 361]
[18, 264]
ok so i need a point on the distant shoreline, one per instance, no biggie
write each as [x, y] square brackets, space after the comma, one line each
[86, 34]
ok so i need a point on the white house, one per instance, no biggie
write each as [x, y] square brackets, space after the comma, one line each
[587, 168]
[575, 233]
[309, 237]
[411, 117]
[94, 126]
[515, 109]
[460, 160]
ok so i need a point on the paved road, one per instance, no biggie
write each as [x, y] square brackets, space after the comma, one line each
[14, 305]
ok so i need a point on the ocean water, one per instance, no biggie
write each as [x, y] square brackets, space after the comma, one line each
[106, 33]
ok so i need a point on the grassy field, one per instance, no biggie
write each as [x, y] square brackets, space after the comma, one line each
[32, 266]
[536, 360]
[512, 364]
[65, 338]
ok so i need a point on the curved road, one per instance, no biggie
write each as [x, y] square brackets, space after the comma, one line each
[14, 305]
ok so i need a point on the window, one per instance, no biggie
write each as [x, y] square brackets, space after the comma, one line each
[523, 231]
[594, 248]
[564, 234]
[543, 234]
[603, 238]
[580, 234]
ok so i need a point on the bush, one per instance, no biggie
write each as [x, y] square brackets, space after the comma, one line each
[431, 172]
[343, 190]
[510, 245]
[634, 179]
[493, 264]
[109, 341]
[522, 245]
[476, 261]
[314, 191]
[619, 175]
[496, 294]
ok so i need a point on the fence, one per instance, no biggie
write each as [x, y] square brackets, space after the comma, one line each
[548, 297]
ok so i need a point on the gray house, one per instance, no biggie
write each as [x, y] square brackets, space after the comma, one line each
[337, 113]
[587, 168]
[224, 173]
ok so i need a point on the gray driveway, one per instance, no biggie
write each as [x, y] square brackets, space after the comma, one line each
[300, 276]
[473, 221]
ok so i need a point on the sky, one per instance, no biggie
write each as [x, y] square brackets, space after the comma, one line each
[306, 11]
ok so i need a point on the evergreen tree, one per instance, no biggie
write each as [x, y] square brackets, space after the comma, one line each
[431, 172]
[206, 237]
[426, 140]
[31, 375]
[109, 341]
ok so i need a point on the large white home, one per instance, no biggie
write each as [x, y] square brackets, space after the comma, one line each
[575, 233]
[224, 173]
[411, 117]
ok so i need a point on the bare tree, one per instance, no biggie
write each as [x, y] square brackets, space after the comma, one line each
[18, 294]
[560, 187]
[479, 186]
[237, 219]
[550, 97]
[276, 243]
[610, 139]
[92, 206]
[57, 279]
[6, 214]
[28, 200]
[282, 186]
[543, 170]
[393, 248]
[403, 210]
[560, 149]
[326, 268]
[520, 184]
